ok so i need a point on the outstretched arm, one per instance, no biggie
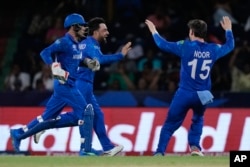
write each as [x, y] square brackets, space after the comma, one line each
[110, 58]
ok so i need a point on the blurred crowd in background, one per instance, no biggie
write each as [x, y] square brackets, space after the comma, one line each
[36, 24]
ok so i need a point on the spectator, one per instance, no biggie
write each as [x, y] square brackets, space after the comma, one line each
[160, 19]
[122, 79]
[43, 77]
[151, 57]
[17, 80]
[240, 68]
[54, 32]
[148, 78]
[223, 8]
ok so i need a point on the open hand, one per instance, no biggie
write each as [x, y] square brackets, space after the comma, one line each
[226, 23]
[151, 26]
[126, 48]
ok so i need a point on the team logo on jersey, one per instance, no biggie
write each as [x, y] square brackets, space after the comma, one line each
[77, 56]
[82, 46]
[181, 42]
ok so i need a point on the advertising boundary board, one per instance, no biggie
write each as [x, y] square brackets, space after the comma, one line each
[137, 128]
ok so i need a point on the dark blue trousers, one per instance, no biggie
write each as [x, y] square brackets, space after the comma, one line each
[182, 102]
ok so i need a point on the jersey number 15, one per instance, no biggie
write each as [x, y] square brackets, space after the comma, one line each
[204, 68]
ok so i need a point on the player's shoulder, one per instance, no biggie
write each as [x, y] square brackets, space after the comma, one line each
[90, 43]
[60, 40]
[213, 45]
[181, 42]
[63, 41]
[84, 41]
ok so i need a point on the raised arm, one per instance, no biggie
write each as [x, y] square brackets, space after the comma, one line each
[226, 23]
[224, 49]
[151, 26]
[162, 43]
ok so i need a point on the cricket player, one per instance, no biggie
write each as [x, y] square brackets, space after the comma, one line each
[98, 32]
[64, 57]
[197, 58]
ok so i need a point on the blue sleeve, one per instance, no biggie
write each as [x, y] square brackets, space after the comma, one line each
[48, 53]
[163, 44]
[110, 58]
[224, 49]
[94, 52]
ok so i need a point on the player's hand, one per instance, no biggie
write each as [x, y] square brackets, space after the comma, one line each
[58, 73]
[226, 23]
[126, 48]
[151, 26]
[93, 64]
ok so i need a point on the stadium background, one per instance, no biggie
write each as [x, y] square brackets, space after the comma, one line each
[24, 28]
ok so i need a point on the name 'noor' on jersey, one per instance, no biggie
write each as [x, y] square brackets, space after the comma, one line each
[199, 54]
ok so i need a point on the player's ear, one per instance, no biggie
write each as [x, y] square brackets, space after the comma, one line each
[191, 32]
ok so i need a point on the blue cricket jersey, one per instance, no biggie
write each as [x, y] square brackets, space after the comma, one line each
[66, 51]
[197, 59]
[91, 49]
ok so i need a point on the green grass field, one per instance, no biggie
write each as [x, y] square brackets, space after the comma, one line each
[131, 161]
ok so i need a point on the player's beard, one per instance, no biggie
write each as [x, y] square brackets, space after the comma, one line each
[103, 40]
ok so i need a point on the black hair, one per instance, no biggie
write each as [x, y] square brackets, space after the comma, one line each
[94, 24]
[199, 27]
